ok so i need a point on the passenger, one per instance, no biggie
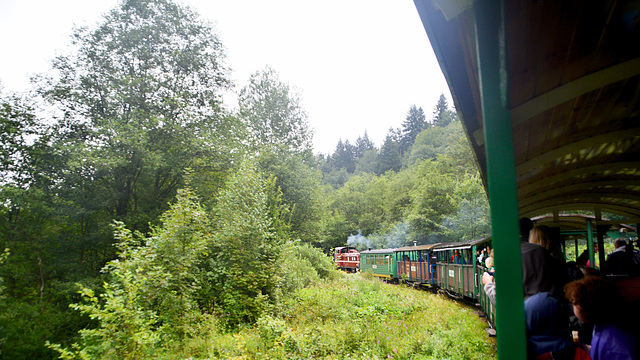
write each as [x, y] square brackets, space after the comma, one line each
[624, 260]
[539, 270]
[489, 287]
[525, 228]
[596, 300]
[481, 256]
[541, 235]
[457, 258]
[547, 335]
[489, 263]
[583, 259]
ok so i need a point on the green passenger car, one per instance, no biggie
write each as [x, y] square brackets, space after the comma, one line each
[458, 266]
[380, 262]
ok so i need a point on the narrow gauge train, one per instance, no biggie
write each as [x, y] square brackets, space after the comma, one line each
[450, 267]
[453, 267]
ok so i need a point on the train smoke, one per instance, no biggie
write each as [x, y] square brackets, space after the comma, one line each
[359, 241]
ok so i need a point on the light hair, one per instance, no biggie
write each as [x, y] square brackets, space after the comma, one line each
[541, 235]
[489, 262]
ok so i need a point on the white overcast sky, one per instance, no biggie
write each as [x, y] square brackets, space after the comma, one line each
[358, 64]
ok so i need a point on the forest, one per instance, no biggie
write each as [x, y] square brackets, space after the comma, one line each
[136, 202]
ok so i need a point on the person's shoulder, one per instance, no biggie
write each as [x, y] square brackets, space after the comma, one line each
[529, 247]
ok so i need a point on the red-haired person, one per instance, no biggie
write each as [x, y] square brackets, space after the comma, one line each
[596, 301]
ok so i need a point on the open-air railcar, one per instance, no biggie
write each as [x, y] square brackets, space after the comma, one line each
[548, 94]
[381, 262]
[417, 265]
[458, 267]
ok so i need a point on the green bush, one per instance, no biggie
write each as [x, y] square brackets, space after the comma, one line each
[303, 265]
[356, 318]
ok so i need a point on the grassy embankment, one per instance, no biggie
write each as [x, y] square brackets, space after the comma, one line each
[354, 317]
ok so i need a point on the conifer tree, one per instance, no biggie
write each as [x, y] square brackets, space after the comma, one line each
[414, 123]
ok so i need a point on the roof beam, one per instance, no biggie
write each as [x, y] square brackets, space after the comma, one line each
[542, 209]
[591, 197]
[573, 148]
[579, 187]
[606, 170]
[568, 91]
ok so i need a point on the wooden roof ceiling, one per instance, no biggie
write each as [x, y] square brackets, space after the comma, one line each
[574, 94]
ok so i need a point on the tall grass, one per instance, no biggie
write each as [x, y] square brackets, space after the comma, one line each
[352, 317]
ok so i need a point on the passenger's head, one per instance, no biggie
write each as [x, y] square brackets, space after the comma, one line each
[545, 324]
[525, 226]
[489, 262]
[541, 235]
[594, 299]
[620, 243]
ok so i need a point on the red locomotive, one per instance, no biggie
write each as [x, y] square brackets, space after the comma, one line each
[347, 258]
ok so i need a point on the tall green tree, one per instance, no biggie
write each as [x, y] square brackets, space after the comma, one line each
[390, 157]
[279, 136]
[368, 163]
[414, 123]
[363, 144]
[139, 102]
[299, 179]
[344, 157]
[360, 204]
[149, 299]
[273, 114]
[251, 230]
[442, 115]
[135, 103]
[429, 144]
[17, 124]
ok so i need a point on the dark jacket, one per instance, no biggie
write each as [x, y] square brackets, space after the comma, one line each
[540, 271]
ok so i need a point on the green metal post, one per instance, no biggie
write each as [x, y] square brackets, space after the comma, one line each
[475, 270]
[464, 278]
[590, 244]
[501, 176]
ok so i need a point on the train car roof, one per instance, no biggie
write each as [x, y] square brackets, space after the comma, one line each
[573, 91]
[378, 251]
[417, 247]
[461, 244]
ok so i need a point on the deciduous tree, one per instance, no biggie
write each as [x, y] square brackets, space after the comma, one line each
[273, 114]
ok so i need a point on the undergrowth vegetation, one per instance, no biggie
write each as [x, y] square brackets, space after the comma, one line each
[232, 284]
[351, 317]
